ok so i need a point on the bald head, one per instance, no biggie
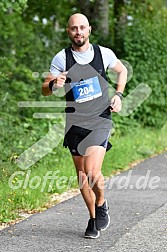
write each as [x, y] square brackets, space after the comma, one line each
[79, 31]
[78, 17]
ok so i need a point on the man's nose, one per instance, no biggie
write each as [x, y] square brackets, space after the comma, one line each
[79, 31]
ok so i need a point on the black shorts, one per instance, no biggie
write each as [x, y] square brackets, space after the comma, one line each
[78, 139]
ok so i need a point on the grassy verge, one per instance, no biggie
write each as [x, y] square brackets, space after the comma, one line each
[137, 145]
[30, 189]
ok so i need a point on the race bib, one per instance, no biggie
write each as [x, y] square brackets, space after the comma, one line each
[86, 90]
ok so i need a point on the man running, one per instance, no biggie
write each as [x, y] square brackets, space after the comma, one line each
[81, 70]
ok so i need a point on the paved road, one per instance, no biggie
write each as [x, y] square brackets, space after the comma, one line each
[138, 208]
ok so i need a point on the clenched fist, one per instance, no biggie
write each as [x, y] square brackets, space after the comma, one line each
[116, 104]
[60, 80]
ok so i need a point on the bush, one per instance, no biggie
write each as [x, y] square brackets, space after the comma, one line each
[145, 46]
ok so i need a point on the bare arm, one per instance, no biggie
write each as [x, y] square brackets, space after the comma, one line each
[121, 70]
[45, 87]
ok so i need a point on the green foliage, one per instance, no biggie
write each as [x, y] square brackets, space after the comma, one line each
[15, 5]
[145, 46]
[23, 51]
[137, 144]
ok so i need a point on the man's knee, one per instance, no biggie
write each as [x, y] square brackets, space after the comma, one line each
[82, 178]
[94, 177]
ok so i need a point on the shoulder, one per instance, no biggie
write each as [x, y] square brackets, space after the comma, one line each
[106, 50]
[58, 63]
[60, 56]
[109, 57]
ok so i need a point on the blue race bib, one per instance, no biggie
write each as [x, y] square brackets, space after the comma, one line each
[86, 90]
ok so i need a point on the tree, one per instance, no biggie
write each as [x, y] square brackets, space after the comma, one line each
[17, 5]
[145, 49]
[120, 15]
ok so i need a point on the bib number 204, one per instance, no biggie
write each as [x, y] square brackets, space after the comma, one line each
[86, 90]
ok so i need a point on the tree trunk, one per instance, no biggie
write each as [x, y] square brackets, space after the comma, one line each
[102, 17]
[120, 25]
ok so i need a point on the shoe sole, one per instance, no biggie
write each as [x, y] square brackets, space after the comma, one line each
[92, 237]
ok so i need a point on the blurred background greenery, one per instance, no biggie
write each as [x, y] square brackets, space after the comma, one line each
[31, 33]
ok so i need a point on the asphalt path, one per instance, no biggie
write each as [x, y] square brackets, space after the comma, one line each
[137, 200]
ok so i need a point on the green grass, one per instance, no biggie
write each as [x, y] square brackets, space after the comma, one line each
[138, 144]
[28, 190]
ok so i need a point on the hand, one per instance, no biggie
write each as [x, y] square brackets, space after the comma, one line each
[116, 104]
[60, 80]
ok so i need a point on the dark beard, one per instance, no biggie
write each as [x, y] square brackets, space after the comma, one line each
[79, 44]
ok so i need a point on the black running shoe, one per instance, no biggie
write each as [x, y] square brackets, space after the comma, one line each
[102, 216]
[91, 230]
